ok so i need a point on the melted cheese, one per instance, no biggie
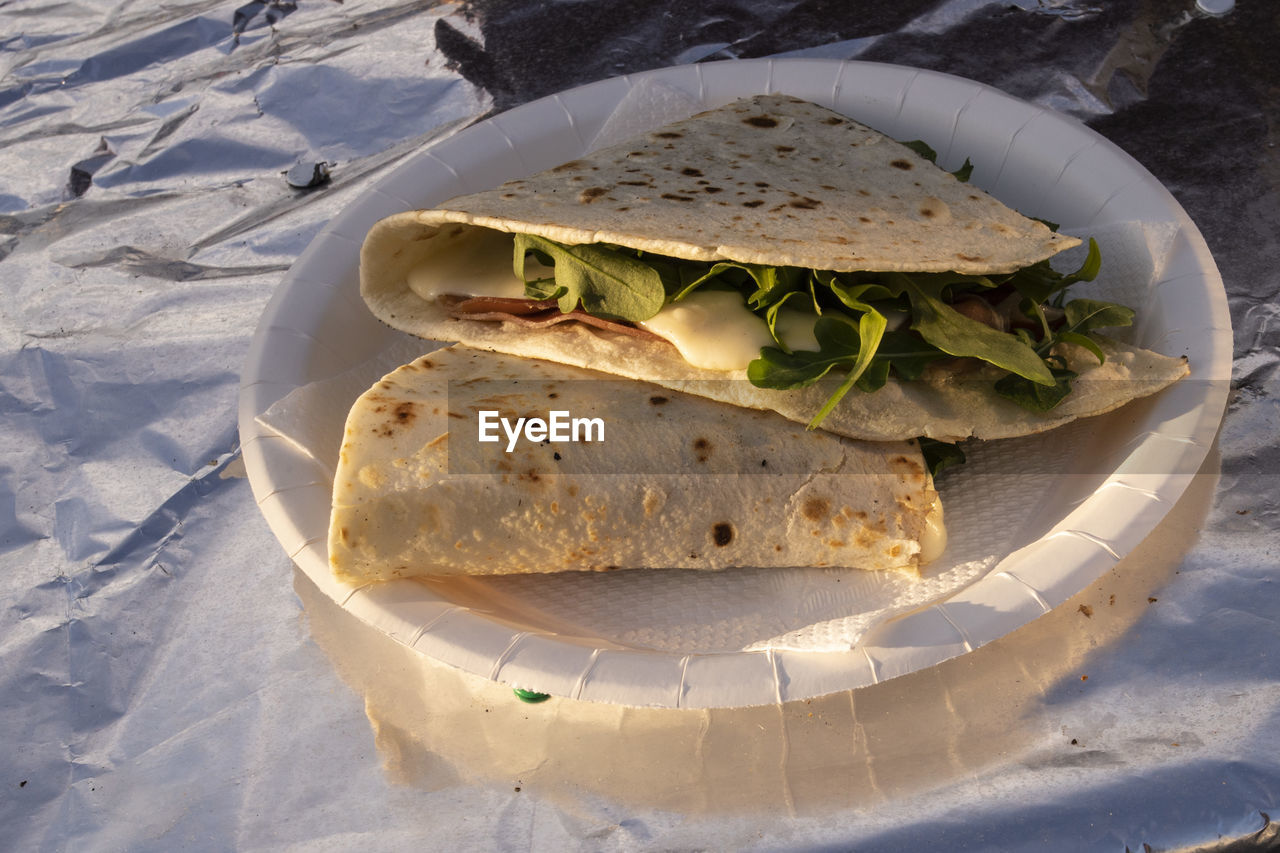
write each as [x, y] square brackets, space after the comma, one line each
[795, 329]
[478, 263]
[933, 539]
[712, 329]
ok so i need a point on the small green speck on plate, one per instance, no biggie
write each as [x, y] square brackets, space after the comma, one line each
[530, 696]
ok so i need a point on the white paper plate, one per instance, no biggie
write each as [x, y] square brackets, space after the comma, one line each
[1033, 159]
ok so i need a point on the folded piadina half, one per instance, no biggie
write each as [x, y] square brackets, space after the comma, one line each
[628, 475]
[759, 268]
[773, 254]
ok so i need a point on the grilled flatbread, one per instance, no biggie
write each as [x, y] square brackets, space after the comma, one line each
[769, 181]
[669, 481]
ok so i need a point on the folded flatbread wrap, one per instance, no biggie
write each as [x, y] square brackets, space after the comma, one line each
[672, 480]
[769, 181]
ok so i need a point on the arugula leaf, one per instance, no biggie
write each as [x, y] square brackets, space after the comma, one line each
[1040, 281]
[839, 343]
[955, 334]
[855, 296]
[939, 455]
[1085, 315]
[716, 271]
[875, 377]
[773, 284]
[871, 327]
[906, 353]
[771, 318]
[543, 288]
[1035, 310]
[677, 275]
[1037, 397]
[926, 151]
[1084, 341]
[607, 283]
[1082, 316]
[940, 285]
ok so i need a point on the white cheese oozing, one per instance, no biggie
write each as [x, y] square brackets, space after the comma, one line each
[933, 539]
[712, 329]
[715, 330]
[478, 263]
[795, 329]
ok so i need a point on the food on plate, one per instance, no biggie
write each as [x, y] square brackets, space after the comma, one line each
[669, 480]
[777, 255]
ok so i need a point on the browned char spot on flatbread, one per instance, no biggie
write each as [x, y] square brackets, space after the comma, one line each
[907, 468]
[815, 509]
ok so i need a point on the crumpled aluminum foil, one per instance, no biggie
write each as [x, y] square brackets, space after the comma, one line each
[167, 683]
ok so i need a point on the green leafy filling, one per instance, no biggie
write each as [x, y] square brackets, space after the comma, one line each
[851, 314]
[605, 282]
[940, 455]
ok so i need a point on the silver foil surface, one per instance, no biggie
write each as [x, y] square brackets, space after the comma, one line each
[167, 683]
